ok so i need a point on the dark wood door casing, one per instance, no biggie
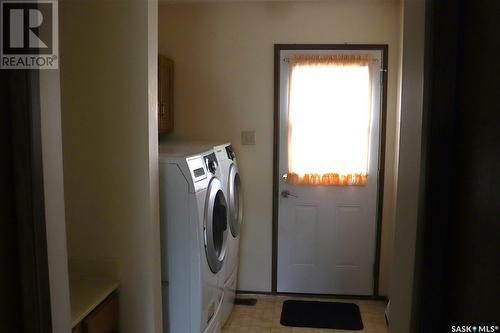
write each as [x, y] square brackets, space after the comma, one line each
[24, 205]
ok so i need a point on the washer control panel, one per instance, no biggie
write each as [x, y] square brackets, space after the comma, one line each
[211, 162]
[230, 152]
[197, 168]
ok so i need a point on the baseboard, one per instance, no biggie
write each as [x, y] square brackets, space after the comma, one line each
[255, 292]
[326, 296]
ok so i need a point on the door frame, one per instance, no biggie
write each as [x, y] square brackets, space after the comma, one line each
[384, 48]
[23, 99]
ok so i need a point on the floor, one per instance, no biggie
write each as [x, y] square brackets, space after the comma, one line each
[264, 317]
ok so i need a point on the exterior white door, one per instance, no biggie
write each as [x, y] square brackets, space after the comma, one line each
[327, 233]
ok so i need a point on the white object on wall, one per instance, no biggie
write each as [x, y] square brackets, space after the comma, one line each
[248, 138]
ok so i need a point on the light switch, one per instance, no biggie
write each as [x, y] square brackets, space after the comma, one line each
[248, 138]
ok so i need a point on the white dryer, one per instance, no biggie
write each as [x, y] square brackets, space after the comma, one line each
[194, 233]
[231, 183]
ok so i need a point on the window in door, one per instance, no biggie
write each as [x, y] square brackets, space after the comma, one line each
[329, 113]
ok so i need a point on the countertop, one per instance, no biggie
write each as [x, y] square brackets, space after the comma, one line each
[86, 295]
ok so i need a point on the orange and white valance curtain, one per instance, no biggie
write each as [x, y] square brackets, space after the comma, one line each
[329, 116]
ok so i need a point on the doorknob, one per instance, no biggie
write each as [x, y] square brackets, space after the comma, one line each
[284, 177]
[286, 194]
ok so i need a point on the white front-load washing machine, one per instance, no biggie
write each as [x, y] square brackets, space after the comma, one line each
[231, 183]
[194, 232]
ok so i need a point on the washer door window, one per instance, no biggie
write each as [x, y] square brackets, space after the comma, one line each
[235, 201]
[215, 225]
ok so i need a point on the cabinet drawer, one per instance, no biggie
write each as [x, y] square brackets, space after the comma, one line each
[104, 319]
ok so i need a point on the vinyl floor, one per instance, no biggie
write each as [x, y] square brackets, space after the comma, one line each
[264, 317]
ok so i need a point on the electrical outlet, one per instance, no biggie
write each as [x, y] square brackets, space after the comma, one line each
[248, 138]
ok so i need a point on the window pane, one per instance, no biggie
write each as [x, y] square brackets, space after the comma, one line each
[329, 123]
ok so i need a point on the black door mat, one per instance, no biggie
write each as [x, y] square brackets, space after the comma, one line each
[313, 314]
[245, 301]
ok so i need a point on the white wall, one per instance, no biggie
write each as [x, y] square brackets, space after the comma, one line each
[108, 81]
[50, 111]
[223, 54]
[409, 167]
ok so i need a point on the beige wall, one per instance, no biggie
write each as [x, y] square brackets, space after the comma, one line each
[223, 54]
[53, 181]
[108, 82]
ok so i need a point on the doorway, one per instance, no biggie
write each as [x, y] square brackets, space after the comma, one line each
[328, 168]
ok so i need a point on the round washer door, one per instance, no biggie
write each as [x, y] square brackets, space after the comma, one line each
[235, 201]
[215, 225]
